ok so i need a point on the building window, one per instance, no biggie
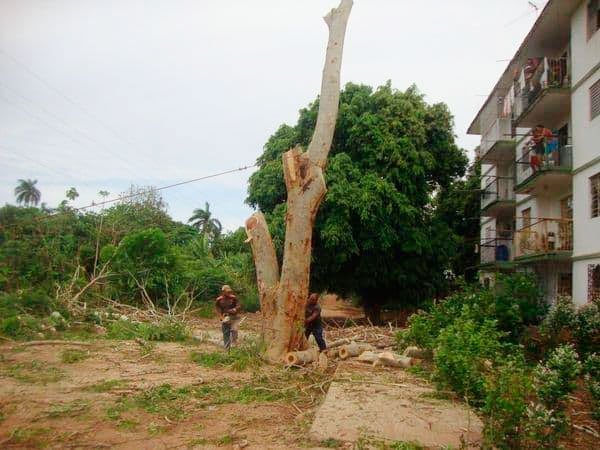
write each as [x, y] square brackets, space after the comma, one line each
[593, 17]
[593, 282]
[565, 281]
[595, 100]
[595, 195]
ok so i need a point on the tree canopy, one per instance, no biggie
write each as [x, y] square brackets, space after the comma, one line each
[27, 193]
[376, 234]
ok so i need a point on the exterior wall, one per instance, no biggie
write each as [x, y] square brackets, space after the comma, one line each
[586, 151]
[585, 53]
[580, 279]
[586, 132]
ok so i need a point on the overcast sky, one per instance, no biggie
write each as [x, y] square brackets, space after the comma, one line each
[100, 94]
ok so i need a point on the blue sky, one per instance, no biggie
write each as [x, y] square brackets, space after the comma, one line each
[104, 94]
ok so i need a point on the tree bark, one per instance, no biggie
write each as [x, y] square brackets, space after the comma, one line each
[283, 298]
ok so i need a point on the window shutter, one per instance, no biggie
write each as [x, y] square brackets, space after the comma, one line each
[595, 100]
[595, 195]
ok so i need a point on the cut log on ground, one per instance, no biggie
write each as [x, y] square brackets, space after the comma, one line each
[302, 357]
[393, 360]
[354, 349]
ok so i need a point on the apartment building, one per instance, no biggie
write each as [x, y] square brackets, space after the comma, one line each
[540, 203]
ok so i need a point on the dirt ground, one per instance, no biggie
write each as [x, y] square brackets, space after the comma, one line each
[136, 395]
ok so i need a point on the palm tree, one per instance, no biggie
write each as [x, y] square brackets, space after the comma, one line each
[27, 193]
[203, 222]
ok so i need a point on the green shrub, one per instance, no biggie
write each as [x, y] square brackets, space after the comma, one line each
[591, 368]
[558, 376]
[558, 324]
[587, 330]
[508, 391]
[462, 355]
[250, 302]
[20, 327]
[167, 329]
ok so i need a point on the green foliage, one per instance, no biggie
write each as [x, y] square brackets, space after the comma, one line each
[376, 233]
[248, 354]
[34, 372]
[27, 193]
[71, 356]
[462, 351]
[508, 391]
[592, 382]
[557, 377]
[105, 386]
[514, 304]
[145, 255]
[167, 329]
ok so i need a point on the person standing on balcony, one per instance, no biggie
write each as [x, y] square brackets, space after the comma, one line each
[540, 137]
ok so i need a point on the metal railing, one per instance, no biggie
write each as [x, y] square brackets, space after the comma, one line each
[500, 130]
[557, 155]
[496, 249]
[498, 189]
[550, 73]
[544, 236]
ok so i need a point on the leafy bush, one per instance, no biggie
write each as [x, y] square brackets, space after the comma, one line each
[591, 368]
[463, 354]
[507, 397]
[168, 329]
[557, 377]
[587, 330]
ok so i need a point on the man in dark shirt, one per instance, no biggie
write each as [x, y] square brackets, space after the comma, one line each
[228, 308]
[312, 322]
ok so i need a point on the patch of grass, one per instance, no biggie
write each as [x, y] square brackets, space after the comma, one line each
[154, 429]
[162, 400]
[73, 408]
[35, 372]
[199, 441]
[105, 386]
[29, 437]
[224, 440]
[206, 310]
[240, 358]
[439, 395]
[71, 356]
[167, 329]
[330, 443]
[127, 425]
[401, 445]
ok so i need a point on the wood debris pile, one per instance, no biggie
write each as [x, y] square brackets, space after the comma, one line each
[368, 344]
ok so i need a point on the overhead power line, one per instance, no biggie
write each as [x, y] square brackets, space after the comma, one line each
[142, 192]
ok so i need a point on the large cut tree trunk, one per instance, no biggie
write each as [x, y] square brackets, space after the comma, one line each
[283, 296]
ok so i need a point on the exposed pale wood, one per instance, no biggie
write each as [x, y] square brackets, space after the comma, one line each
[302, 357]
[353, 349]
[338, 343]
[415, 352]
[394, 360]
[284, 297]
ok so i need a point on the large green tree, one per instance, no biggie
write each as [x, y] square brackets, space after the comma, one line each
[376, 233]
[27, 193]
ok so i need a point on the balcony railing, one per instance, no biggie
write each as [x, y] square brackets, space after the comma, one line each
[498, 189]
[499, 131]
[557, 156]
[496, 249]
[544, 236]
[550, 73]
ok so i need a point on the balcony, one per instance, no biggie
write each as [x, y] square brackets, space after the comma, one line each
[496, 143]
[548, 174]
[544, 239]
[497, 251]
[545, 96]
[498, 197]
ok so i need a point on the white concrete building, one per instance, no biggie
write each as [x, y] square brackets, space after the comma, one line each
[540, 205]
